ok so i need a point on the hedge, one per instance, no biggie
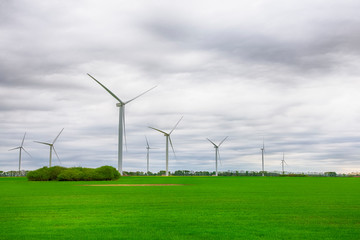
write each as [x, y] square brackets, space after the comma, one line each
[74, 174]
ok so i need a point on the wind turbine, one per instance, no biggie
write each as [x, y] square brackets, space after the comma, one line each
[262, 157]
[121, 106]
[168, 139]
[217, 153]
[20, 148]
[283, 163]
[148, 153]
[52, 147]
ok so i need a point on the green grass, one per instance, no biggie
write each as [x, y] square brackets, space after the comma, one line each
[205, 208]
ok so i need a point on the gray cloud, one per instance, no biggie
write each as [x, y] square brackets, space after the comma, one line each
[286, 72]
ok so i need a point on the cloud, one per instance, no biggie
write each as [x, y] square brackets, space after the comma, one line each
[285, 71]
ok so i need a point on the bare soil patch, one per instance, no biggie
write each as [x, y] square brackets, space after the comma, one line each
[131, 185]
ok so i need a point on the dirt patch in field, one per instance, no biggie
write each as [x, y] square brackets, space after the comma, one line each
[131, 185]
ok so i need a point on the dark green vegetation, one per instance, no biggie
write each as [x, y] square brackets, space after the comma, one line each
[103, 173]
[204, 208]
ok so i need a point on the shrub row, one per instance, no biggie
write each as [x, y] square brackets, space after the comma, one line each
[104, 173]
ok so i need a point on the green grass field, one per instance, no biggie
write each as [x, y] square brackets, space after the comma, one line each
[203, 208]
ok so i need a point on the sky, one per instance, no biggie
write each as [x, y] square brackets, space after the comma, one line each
[282, 72]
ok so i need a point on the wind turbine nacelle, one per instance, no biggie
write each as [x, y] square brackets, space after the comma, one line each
[119, 104]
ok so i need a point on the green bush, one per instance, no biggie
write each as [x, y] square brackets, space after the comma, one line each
[71, 174]
[88, 174]
[55, 171]
[74, 174]
[41, 174]
[106, 173]
[45, 174]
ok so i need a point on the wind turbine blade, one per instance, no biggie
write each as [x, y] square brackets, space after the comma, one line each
[49, 144]
[22, 143]
[140, 95]
[172, 147]
[111, 93]
[14, 148]
[57, 136]
[212, 142]
[176, 125]
[219, 156]
[159, 131]
[26, 151]
[147, 142]
[223, 140]
[56, 154]
[123, 116]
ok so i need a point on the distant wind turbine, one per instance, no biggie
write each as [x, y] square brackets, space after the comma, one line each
[217, 152]
[283, 163]
[52, 147]
[20, 148]
[148, 153]
[168, 139]
[262, 158]
[121, 106]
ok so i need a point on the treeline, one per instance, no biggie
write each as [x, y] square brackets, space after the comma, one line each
[22, 173]
[239, 173]
[76, 172]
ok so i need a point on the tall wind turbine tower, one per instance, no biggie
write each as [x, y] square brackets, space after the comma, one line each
[147, 154]
[20, 148]
[168, 139]
[121, 106]
[52, 147]
[283, 164]
[217, 153]
[262, 158]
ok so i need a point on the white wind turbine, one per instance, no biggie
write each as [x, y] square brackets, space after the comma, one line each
[262, 158]
[20, 148]
[217, 153]
[148, 153]
[283, 163]
[52, 147]
[121, 106]
[168, 139]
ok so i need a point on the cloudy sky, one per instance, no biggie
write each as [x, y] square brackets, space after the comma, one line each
[283, 71]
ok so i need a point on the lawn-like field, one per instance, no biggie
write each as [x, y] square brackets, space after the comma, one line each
[203, 208]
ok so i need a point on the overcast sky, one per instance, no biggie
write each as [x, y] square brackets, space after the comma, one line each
[283, 71]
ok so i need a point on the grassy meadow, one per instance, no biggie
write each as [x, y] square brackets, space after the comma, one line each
[202, 208]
